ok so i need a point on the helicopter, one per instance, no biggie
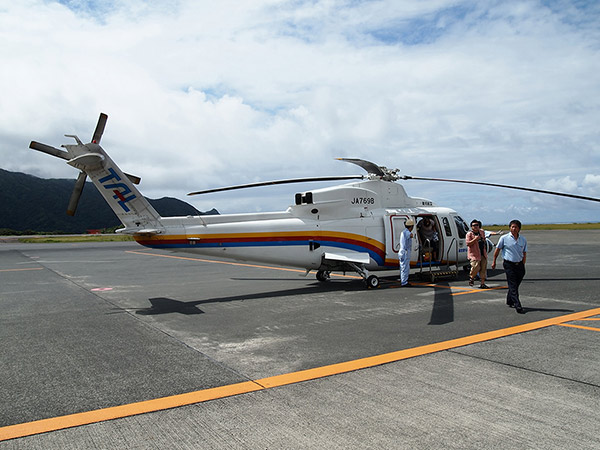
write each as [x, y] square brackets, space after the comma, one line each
[353, 227]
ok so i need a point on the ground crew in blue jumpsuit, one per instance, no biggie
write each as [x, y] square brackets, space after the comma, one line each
[405, 251]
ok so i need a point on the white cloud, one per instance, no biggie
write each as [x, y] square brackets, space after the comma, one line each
[201, 94]
[591, 185]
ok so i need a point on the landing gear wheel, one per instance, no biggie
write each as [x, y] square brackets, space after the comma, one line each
[372, 282]
[323, 275]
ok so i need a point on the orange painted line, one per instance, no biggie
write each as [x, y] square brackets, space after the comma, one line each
[471, 290]
[372, 361]
[582, 327]
[591, 318]
[256, 266]
[117, 412]
[187, 258]
[465, 290]
[21, 270]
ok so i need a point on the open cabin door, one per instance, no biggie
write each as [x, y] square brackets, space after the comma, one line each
[394, 226]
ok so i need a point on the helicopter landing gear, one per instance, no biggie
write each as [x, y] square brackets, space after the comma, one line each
[372, 282]
[323, 275]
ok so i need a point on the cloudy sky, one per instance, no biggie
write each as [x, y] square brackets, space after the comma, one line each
[204, 94]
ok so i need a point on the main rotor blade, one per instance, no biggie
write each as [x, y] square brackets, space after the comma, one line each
[506, 186]
[367, 165]
[77, 190]
[99, 128]
[271, 183]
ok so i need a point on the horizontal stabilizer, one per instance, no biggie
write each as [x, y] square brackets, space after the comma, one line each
[138, 232]
[87, 161]
[357, 258]
[133, 178]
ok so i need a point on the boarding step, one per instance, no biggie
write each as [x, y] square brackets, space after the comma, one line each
[438, 274]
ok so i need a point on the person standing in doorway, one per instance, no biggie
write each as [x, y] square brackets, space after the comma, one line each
[428, 235]
[514, 254]
[405, 251]
[477, 253]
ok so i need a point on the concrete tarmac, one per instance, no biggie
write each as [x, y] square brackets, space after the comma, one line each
[183, 351]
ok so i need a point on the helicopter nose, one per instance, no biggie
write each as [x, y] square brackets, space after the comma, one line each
[490, 246]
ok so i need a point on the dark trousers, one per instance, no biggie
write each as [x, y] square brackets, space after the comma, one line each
[514, 275]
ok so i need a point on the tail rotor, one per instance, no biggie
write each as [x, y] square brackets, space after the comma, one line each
[82, 178]
[99, 129]
[76, 194]
[67, 155]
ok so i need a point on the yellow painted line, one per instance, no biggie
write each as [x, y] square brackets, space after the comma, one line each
[582, 327]
[256, 266]
[591, 318]
[117, 412]
[471, 290]
[372, 361]
[21, 270]
[464, 290]
[187, 258]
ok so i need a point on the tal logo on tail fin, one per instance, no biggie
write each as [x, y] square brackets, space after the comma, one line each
[119, 189]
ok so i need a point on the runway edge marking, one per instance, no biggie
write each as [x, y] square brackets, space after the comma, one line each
[581, 327]
[175, 401]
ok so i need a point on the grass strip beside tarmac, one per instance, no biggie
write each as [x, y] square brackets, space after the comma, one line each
[75, 238]
[548, 226]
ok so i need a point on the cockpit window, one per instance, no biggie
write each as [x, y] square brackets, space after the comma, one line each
[461, 227]
[447, 226]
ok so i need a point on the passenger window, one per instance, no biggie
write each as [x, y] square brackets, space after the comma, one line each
[461, 227]
[447, 226]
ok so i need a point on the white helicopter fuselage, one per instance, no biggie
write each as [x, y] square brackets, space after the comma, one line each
[357, 222]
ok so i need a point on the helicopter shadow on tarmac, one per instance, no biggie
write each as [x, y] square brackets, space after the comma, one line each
[164, 305]
[442, 311]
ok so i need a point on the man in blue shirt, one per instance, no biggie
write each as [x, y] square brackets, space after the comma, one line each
[514, 254]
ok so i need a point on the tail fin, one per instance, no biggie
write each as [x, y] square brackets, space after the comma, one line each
[117, 188]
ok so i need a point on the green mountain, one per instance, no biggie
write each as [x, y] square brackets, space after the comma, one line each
[29, 203]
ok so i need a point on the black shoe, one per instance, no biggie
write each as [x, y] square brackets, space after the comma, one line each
[484, 286]
[406, 285]
[520, 310]
[471, 282]
[510, 305]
